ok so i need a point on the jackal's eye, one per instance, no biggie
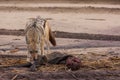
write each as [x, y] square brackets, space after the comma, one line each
[36, 51]
[31, 51]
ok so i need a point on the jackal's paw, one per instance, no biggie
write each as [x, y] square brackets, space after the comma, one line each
[33, 67]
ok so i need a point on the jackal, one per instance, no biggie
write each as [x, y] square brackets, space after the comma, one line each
[38, 33]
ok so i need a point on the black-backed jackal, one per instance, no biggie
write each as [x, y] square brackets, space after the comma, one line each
[37, 33]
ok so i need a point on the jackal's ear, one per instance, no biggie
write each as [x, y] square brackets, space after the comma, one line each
[45, 23]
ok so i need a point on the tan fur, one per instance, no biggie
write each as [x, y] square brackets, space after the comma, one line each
[34, 44]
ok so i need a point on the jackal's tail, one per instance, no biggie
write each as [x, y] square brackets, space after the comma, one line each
[52, 38]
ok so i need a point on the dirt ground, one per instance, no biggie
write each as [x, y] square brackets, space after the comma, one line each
[97, 63]
[85, 29]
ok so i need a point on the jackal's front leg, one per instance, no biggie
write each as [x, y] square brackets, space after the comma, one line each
[43, 58]
[42, 46]
[28, 54]
[28, 57]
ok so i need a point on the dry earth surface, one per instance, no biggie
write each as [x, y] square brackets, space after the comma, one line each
[100, 56]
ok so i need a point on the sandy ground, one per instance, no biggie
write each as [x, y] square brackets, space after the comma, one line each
[70, 17]
[64, 44]
[80, 21]
[65, 5]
